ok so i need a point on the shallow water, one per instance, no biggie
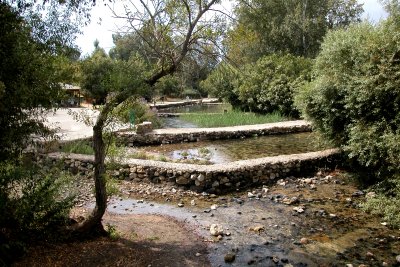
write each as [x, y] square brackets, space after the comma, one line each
[199, 108]
[221, 151]
[334, 240]
[175, 122]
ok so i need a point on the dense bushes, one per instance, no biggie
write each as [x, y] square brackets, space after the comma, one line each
[265, 87]
[355, 99]
[271, 83]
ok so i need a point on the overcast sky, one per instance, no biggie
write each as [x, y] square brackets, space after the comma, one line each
[103, 25]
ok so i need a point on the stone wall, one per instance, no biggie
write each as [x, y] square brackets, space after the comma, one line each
[211, 178]
[169, 136]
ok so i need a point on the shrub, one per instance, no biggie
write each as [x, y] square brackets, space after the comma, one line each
[78, 147]
[386, 203]
[355, 99]
[31, 206]
[141, 111]
[269, 85]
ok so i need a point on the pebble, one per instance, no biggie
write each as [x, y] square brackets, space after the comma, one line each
[198, 254]
[298, 209]
[140, 201]
[216, 229]
[214, 207]
[304, 241]
[398, 258]
[180, 205]
[229, 257]
[369, 254]
[257, 229]
[192, 202]
[250, 195]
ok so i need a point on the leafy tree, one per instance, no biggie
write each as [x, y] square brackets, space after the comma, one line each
[296, 27]
[96, 71]
[193, 69]
[271, 83]
[355, 99]
[26, 83]
[30, 203]
[173, 30]
[221, 83]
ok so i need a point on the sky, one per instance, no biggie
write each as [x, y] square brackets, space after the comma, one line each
[103, 24]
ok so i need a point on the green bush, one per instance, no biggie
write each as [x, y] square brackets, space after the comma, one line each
[31, 206]
[78, 147]
[355, 99]
[269, 85]
[142, 112]
[386, 203]
[221, 83]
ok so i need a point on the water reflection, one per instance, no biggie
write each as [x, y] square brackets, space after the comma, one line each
[222, 151]
[199, 108]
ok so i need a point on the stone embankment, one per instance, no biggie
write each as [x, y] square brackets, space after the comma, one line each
[211, 178]
[169, 136]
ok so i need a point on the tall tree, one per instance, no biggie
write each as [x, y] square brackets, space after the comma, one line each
[296, 27]
[96, 71]
[172, 29]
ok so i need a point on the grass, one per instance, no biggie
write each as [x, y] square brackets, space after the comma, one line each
[232, 118]
[78, 147]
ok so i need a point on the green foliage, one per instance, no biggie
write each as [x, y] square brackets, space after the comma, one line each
[112, 188]
[78, 147]
[142, 112]
[96, 71]
[297, 27]
[168, 86]
[355, 99]
[386, 203]
[31, 204]
[27, 83]
[112, 232]
[233, 118]
[221, 83]
[269, 85]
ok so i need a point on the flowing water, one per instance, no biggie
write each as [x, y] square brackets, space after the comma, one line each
[335, 231]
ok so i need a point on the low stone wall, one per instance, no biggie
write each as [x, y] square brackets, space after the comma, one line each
[211, 178]
[169, 136]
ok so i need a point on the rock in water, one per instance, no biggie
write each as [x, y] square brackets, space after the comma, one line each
[230, 257]
[216, 229]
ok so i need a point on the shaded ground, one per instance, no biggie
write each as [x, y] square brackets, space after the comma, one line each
[312, 221]
[143, 240]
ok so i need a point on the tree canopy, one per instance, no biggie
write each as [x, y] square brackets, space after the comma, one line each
[297, 27]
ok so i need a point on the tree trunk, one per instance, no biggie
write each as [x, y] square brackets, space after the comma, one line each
[93, 225]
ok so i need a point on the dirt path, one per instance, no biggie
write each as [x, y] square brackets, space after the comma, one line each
[142, 240]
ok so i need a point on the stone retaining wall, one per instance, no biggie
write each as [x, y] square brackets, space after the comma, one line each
[211, 178]
[169, 136]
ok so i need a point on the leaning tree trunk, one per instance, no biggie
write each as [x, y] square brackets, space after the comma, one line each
[93, 222]
[93, 225]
